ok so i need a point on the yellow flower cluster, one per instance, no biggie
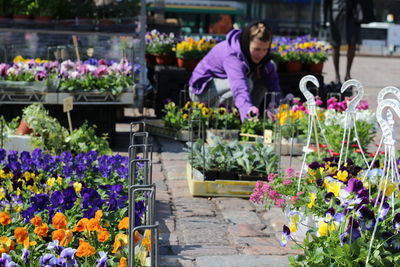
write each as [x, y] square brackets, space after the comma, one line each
[19, 59]
[190, 44]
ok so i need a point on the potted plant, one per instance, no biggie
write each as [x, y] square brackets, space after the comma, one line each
[315, 59]
[22, 10]
[161, 46]
[189, 52]
[44, 11]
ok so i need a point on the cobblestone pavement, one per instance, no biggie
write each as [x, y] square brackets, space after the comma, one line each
[197, 231]
[233, 232]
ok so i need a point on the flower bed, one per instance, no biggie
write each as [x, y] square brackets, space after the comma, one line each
[65, 209]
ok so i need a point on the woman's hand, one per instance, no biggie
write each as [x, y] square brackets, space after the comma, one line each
[253, 112]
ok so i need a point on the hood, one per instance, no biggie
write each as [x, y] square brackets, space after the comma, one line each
[233, 39]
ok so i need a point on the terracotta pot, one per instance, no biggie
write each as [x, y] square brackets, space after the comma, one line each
[165, 59]
[316, 67]
[294, 66]
[188, 64]
[42, 18]
[20, 18]
[23, 128]
[106, 22]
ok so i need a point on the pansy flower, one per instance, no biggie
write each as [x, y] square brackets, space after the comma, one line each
[285, 236]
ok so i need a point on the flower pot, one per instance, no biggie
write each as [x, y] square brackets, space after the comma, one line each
[188, 64]
[42, 19]
[294, 66]
[20, 18]
[106, 22]
[316, 67]
[23, 128]
[165, 59]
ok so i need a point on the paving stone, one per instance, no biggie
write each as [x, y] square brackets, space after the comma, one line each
[201, 250]
[199, 222]
[177, 261]
[241, 261]
[270, 250]
[168, 239]
[209, 236]
[179, 189]
[174, 170]
[237, 211]
[247, 230]
[189, 207]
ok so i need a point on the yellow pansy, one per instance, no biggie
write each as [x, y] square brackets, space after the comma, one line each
[50, 182]
[59, 180]
[3, 174]
[78, 187]
[324, 228]
[293, 227]
[390, 187]
[333, 187]
[342, 176]
[2, 193]
[313, 197]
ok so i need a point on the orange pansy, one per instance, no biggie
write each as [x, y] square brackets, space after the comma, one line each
[20, 234]
[137, 237]
[63, 236]
[103, 236]
[94, 225]
[60, 221]
[98, 215]
[124, 223]
[5, 218]
[85, 249]
[81, 226]
[42, 230]
[6, 244]
[36, 221]
[119, 241]
[122, 262]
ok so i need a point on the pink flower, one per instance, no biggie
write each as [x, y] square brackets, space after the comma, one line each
[287, 181]
[290, 172]
[274, 194]
[294, 199]
[363, 105]
[100, 71]
[258, 193]
[279, 202]
[271, 177]
[331, 101]
[318, 102]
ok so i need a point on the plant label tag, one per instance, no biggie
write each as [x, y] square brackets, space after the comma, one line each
[68, 103]
[267, 136]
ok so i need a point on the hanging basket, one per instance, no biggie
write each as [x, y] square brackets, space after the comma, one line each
[188, 64]
[294, 66]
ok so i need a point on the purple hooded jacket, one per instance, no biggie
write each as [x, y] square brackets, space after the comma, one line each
[226, 60]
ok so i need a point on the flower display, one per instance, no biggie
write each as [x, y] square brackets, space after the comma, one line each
[51, 221]
[304, 49]
[92, 74]
[158, 43]
[343, 203]
[216, 118]
[190, 48]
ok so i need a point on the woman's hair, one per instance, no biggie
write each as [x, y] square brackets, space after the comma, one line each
[259, 30]
[256, 30]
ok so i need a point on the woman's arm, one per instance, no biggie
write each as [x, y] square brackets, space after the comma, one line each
[236, 73]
